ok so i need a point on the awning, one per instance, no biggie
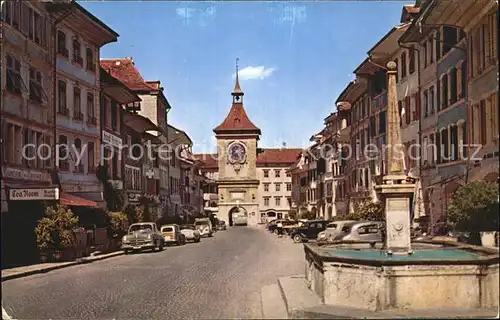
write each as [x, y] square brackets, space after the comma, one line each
[67, 199]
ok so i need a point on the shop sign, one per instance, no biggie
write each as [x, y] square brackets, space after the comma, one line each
[34, 194]
[111, 139]
[134, 197]
[25, 174]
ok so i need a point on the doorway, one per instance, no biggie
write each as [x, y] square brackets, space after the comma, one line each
[238, 216]
[18, 233]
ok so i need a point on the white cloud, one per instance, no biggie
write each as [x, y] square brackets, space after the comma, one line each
[250, 73]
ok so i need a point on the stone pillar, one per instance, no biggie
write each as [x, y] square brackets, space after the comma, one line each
[395, 190]
[394, 144]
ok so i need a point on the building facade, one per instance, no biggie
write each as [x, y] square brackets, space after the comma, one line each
[79, 37]
[114, 95]
[27, 118]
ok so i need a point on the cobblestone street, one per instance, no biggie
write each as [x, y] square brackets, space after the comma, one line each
[221, 277]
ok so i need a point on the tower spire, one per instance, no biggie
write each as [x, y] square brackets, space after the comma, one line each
[237, 92]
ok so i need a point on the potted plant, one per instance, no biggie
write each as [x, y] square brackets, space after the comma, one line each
[55, 231]
[44, 239]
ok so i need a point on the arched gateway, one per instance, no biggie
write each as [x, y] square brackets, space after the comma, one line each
[238, 216]
[237, 153]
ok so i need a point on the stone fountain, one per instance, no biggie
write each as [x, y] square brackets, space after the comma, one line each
[402, 275]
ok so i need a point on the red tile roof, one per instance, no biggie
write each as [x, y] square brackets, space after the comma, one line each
[208, 160]
[411, 8]
[278, 156]
[124, 70]
[237, 120]
[268, 156]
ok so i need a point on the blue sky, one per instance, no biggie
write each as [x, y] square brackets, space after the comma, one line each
[301, 55]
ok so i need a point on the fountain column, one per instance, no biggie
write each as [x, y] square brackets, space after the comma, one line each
[395, 190]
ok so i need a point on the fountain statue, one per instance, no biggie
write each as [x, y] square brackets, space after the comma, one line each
[400, 274]
[395, 191]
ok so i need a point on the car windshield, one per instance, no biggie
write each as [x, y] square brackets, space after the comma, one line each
[139, 227]
[167, 229]
[188, 227]
[200, 223]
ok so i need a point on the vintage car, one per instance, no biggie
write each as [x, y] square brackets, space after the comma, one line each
[285, 227]
[172, 234]
[308, 231]
[332, 229]
[221, 225]
[190, 232]
[274, 224]
[361, 231]
[204, 226]
[142, 236]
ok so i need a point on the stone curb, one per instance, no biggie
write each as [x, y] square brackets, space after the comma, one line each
[22, 274]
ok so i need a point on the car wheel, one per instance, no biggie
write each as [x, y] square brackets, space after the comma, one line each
[276, 232]
[297, 238]
[126, 251]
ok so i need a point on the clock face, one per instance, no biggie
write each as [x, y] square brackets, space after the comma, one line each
[236, 153]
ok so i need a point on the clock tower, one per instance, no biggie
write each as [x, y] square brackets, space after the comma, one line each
[237, 181]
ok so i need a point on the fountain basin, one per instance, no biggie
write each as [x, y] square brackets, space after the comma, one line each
[437, 275]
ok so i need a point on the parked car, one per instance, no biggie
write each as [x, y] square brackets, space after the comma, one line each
[190, 232]
[221, 225]
[172, 234]
[204, 226]
[142, 236]
[285, 227]
[308, 231]
[361, 231]
[332, 229]
[274, 224]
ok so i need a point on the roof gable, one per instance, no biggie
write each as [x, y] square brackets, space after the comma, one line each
[237, 121]
[124, 70]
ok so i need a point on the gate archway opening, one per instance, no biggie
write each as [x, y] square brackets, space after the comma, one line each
[238, 216]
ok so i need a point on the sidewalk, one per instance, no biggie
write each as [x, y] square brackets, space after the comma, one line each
[25, 271]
